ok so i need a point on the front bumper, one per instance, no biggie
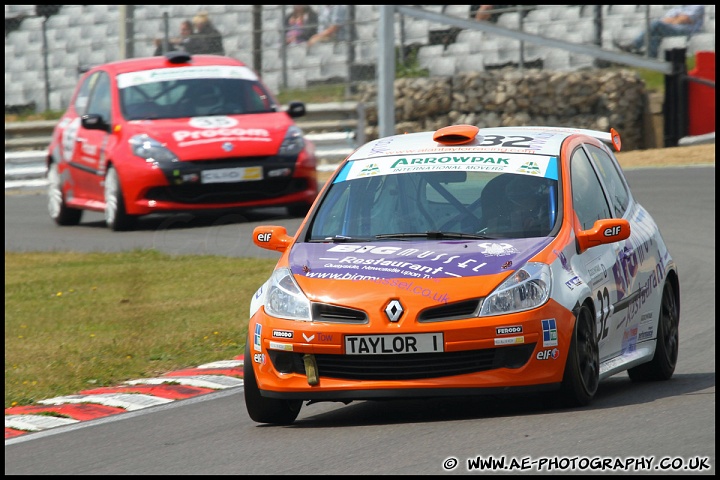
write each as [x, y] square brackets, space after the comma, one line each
[476, 359]
[179, 187]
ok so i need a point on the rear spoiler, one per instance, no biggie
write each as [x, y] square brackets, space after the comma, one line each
[611, 138]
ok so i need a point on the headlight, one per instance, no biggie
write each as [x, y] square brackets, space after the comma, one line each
[285, 299]
[150, 149]
[293, 142]
[527, 288]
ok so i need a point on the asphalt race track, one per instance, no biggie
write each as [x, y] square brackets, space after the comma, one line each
[629, 428]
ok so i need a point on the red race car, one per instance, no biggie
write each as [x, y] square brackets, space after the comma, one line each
[176, 133]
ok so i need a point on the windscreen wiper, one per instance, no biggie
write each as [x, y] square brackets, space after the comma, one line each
[435, 235]
[343, 239]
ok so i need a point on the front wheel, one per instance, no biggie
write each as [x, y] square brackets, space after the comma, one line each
[662, 365]
[262, 409]
[58, 209]
[582, 370]
[116, 216]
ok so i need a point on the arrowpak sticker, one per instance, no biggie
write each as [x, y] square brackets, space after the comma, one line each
[524, 164]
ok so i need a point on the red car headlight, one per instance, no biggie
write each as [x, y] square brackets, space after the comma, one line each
[150, 149]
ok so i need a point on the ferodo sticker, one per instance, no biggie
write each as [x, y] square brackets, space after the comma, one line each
[282, 333]
[508, 330]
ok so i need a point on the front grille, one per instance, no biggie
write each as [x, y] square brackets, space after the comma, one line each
[323, 312]
[450, 311]
[228, 192]
[406, 367]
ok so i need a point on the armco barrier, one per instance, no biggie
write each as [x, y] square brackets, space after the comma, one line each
[26, 169]
[345, 119]
[335, 128]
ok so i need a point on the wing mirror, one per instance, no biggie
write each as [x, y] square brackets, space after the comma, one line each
[296, 109]
[609, 230]
[271, 237]
[94, 121]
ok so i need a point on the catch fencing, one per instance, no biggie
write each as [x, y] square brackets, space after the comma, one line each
[46, 47]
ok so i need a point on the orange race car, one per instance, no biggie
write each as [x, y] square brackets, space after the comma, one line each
[460, 262]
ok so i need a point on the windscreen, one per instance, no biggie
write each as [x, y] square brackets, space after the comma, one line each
[438, 202]
[192, 92]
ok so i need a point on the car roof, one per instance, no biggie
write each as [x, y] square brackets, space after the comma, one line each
[162, 61]
[542, 140]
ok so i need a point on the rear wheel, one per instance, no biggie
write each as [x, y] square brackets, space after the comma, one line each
[116, 216]
[582, 370]
[262, 409]
[662, 365]
[58, 209]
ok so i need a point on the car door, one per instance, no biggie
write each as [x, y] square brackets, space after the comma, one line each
[637, 271]
[90, 149]
[595, 265]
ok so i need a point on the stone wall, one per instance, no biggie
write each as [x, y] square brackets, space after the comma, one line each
[592, 99]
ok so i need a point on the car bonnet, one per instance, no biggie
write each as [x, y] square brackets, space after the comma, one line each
[258, 134]
[429, 259]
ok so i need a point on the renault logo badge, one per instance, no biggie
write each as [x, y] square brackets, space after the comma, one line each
[394, 310]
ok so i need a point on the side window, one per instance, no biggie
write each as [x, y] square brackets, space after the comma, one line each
[617, 192]
[100, 100]
[259, 100]
[588, 197]
[81, 101]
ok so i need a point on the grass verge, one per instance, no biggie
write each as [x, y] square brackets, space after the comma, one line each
[77, 321]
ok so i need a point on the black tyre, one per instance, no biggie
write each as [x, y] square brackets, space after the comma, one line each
[582, 369]
[58, 209]
[262, 409]
[116, 216]
[662, 365]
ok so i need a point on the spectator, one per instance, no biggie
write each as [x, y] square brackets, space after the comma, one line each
[491, 13]
[206, 38]
[679, 21]
[332, 24]
[300, 25]
[186, 30]
[484, 12]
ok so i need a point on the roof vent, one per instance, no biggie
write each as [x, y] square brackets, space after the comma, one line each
[456, 134]
[177, 57]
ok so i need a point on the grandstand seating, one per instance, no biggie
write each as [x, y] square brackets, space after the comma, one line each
[90, 34]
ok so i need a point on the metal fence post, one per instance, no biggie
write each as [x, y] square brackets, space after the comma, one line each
[257, 38]
[45, 63]
[166, 32]
[361, 123]
[283, 48]
[675, 108]
[386, 72]
[126, 36]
